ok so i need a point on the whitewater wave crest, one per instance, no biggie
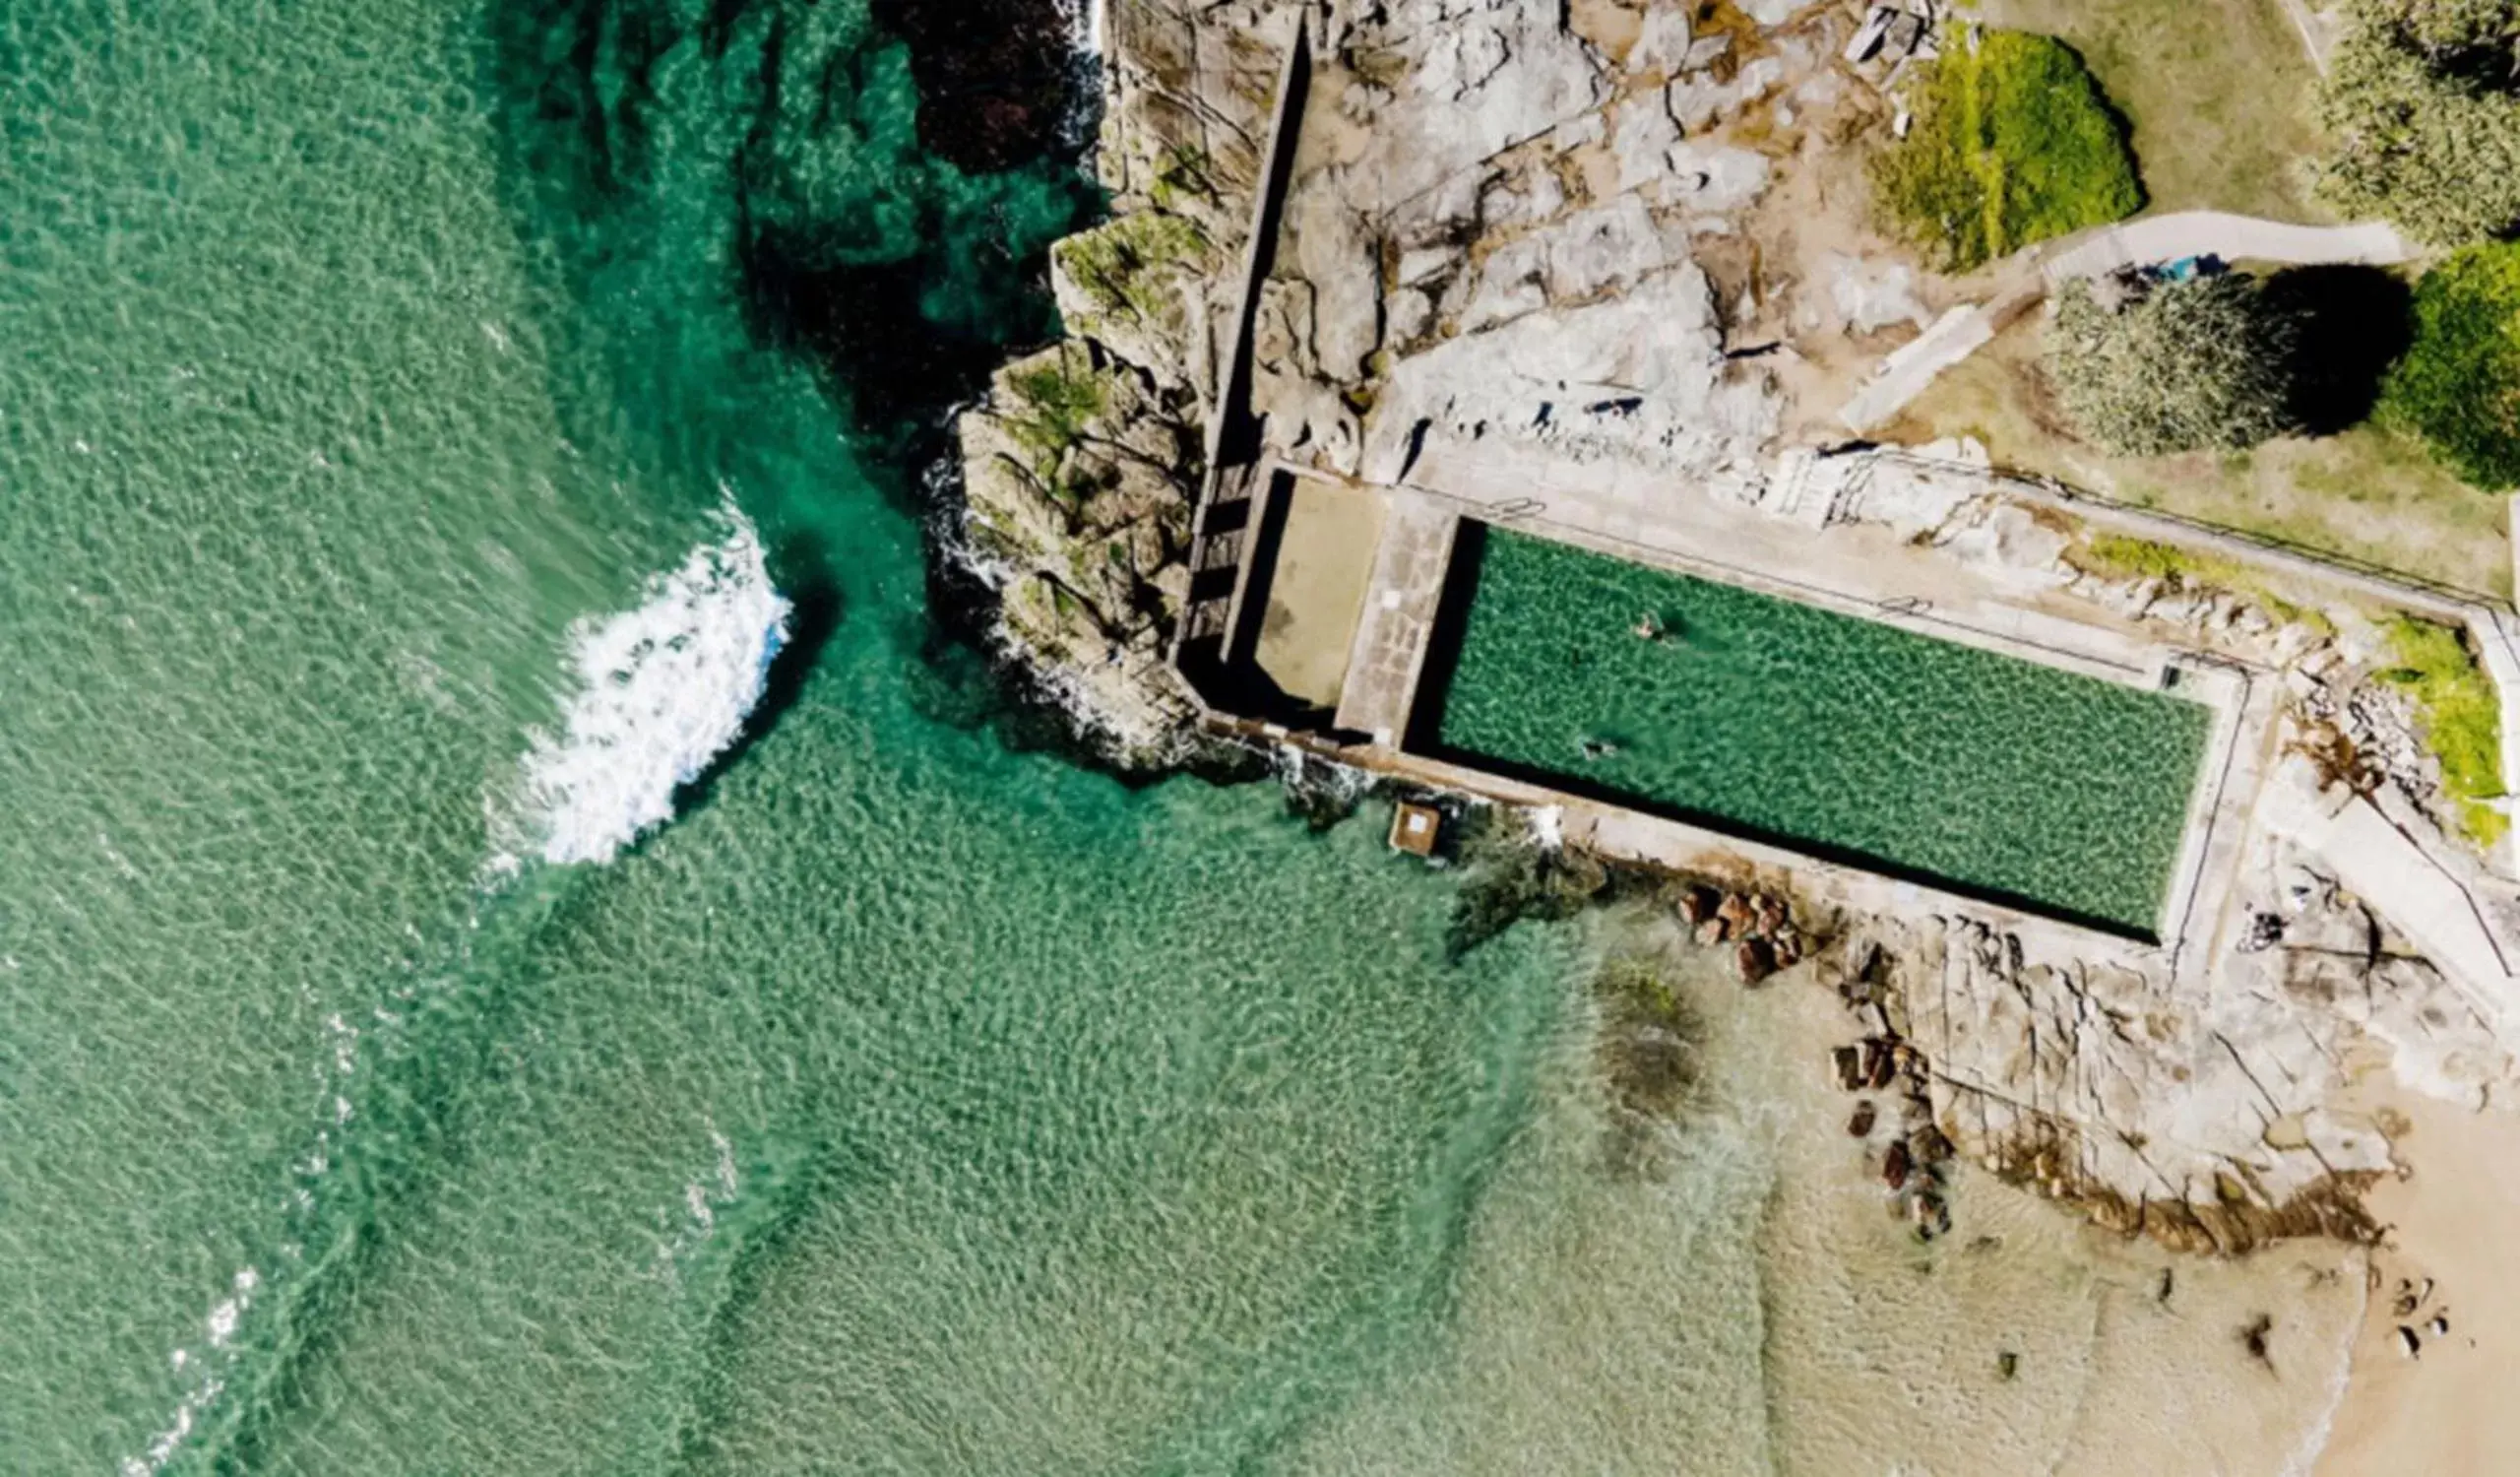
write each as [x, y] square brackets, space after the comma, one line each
[662, 690]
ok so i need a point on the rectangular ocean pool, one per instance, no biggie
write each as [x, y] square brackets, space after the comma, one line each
[1840, 737]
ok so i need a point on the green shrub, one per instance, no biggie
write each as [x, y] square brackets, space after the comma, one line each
[2462, 716]
[2011, 143]
[2179, 366]
[2458, 387]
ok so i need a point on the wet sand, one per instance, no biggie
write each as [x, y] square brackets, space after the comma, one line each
[2027, 1341]
[2449, 1411]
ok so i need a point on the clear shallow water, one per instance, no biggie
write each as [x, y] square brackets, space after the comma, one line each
[1998, 774]
[370, 373]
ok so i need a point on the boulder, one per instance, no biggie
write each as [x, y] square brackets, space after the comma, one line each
[1846, 1064]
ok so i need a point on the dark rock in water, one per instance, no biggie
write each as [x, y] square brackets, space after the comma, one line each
[1848, 1064]
[1881, 1063]
[1734, 914]
[2253, 1338]
[999, 83]
[1754, 959]
[1697, 904]
[1930, 1215]
[1895, 1165]
[2008, 1363]
[1926, 1145]
[1860, 1125]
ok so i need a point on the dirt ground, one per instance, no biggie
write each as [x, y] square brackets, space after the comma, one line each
[1323, 567]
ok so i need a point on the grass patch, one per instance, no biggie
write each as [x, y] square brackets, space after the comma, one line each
[1116, 265]
[2367, 493]
[2217, 91]
[2458, 387]
[2125, 557]
[2012, 144]
[2462, 718]
[1054, 406]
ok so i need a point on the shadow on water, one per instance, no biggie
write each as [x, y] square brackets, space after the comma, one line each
[691, 188]
[999, 85]
[815, 608]
[2353, 323]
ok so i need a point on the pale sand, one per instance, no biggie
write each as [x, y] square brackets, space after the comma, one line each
[2454, 1411]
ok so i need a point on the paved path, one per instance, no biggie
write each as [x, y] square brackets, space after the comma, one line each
[2423, 896]
[2234, 238]
[2313, 29]
[1392, 631]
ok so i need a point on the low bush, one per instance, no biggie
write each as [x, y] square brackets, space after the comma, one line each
[2011, 143]
[2462, 718]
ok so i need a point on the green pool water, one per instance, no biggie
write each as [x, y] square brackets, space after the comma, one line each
[1851, 738]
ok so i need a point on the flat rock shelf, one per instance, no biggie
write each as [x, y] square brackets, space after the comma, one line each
[1843, 737]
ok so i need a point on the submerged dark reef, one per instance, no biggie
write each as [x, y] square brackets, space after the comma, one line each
[1000, 84]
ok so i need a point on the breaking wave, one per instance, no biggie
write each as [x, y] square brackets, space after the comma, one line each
[663, 689]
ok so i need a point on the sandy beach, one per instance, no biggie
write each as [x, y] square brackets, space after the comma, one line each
[2447, 1411]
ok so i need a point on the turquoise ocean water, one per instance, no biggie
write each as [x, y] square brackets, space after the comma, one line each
[405, 420]
[367, 367]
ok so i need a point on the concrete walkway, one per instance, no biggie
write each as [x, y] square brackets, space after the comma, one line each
[2423, 896]
[2030, 274]
[2235, 238]
[1398, 618]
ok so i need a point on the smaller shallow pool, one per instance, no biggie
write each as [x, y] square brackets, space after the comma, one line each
[1843, 737]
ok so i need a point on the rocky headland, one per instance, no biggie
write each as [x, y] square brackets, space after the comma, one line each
[1634, 233]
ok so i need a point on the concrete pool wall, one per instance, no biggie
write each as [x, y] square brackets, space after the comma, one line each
[1876, 573]
[2062, 787]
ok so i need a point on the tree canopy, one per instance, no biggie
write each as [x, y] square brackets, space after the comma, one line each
[2423, 104]
[2458, 387]
[2176, 366]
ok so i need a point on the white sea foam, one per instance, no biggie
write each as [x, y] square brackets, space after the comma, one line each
[662, 690]
[220, 1326]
